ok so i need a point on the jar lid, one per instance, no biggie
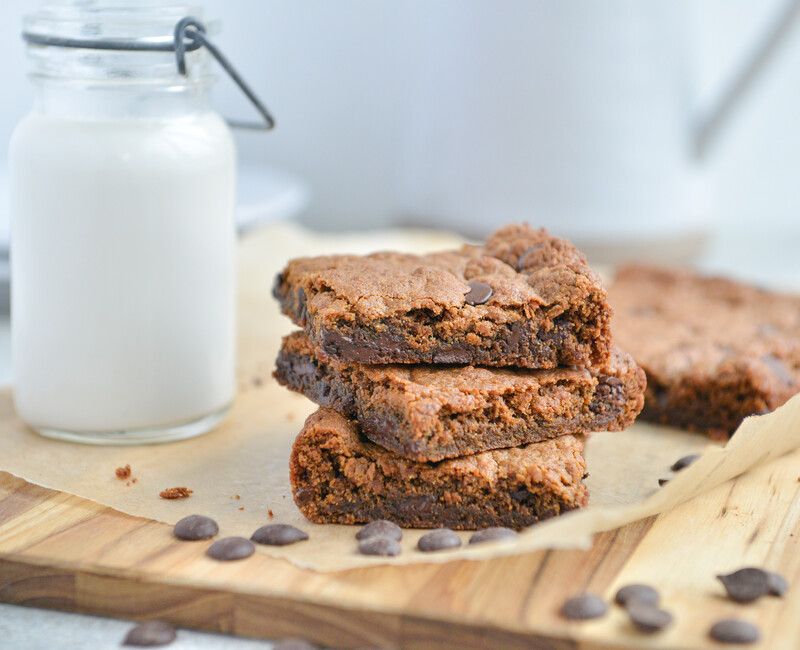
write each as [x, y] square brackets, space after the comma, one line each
[128, 23]
[129, 41]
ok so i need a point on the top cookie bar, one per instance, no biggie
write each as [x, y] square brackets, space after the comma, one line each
[524, 299]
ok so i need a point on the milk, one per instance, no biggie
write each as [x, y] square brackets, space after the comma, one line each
[123, 274]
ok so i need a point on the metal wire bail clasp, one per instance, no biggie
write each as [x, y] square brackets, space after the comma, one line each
[192, 30]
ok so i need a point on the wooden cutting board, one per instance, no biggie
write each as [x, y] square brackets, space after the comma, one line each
[64, 552]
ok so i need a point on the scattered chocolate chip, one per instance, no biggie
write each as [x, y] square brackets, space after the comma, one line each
[195, 527]
[663, 481]
[638, 593]
[778, 585]
[384, 546]
[746, 585]
[150, 634]
[648, 618]
[438, 540]
[479, 293]
[491, 534]
[278, 535]
[176, 493]
[231, 548]
[294, 644]
[733, 630]
[584, 607]
[684, 462]
[381, 528]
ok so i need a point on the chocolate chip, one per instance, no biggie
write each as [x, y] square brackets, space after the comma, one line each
[381, 528]
[639, 593]
[377, 545]
[746, 585]
[195, 527]
[150, 634]
[231, 548]
[529, 257]
[491, 534]
[302, 307]
[278, 535]
[648, 618]
[479, 293]
[684, 462]
[294, 644]
[778, 585]
[663, 481]
[438, 540]
[733, 630]
[584, 607]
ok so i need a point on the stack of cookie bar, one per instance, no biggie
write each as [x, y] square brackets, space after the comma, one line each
[456, 388]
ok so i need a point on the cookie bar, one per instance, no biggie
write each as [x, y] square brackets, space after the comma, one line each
[339, 477]
[428, 413]
[714, 350]
[524, 299]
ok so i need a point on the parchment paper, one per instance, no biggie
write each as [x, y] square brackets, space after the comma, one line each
[240, 472]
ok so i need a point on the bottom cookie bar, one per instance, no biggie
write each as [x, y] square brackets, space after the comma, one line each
[339, 477]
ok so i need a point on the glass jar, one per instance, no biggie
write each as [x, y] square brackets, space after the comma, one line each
[123, 239]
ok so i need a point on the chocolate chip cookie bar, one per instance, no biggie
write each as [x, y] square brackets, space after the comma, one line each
[524, 299]
[338, 477]
[714, 350]
[429, 413]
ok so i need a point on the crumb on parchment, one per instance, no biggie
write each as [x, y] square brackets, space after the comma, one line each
[176, 493]
[123, 473]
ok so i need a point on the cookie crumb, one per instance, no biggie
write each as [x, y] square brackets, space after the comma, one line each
[270, 514]
[123, 472]
[236, 496]
[241, 507]
[176, 493]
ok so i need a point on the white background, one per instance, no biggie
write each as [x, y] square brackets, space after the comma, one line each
[335, 74]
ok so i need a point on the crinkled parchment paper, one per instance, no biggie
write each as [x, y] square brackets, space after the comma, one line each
[240, 472]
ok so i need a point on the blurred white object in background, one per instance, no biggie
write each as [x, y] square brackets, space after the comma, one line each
[576, 116]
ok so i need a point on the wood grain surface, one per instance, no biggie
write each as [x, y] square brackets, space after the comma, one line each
[60, 551]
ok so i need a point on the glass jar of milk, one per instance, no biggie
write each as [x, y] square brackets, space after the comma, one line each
[123, 242]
